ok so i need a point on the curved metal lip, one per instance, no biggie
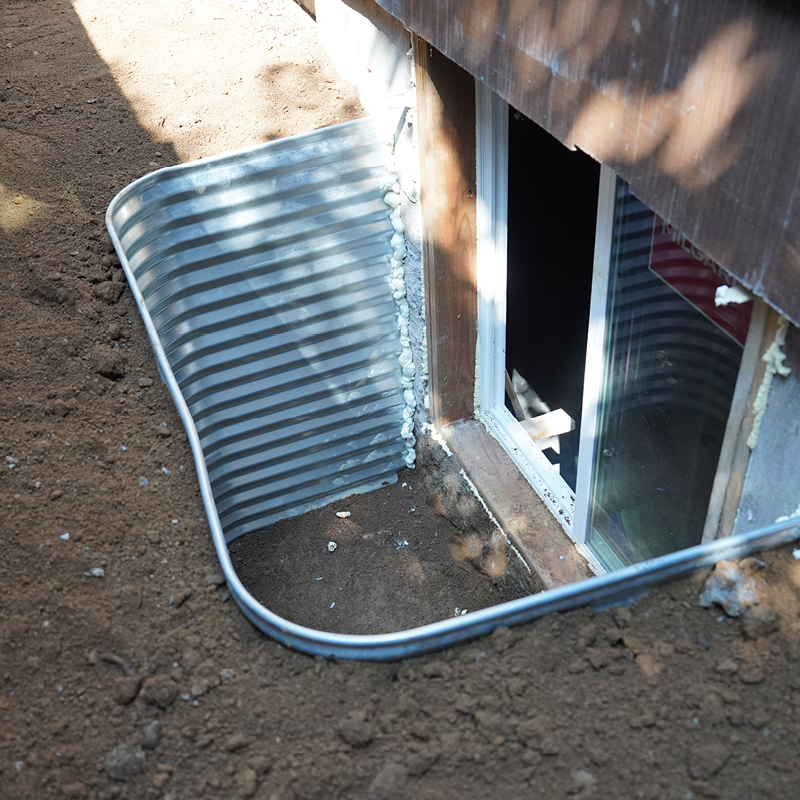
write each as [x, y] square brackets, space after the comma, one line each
[615, 587]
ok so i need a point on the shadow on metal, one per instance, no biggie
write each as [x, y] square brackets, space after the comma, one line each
[262, 278]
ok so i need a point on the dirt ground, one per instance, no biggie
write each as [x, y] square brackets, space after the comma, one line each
[125, 670]
[394, 562]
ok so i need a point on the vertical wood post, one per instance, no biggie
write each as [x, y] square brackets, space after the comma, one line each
[446, 112]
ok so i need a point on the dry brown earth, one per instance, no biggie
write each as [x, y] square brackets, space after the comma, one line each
[144, 683]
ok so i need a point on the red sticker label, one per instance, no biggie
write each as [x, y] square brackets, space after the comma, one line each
[696, 277]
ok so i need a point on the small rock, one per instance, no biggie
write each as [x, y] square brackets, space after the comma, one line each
[650, 665]
[726, 667]
[577, 666]
[343, 514]
[96, 572]
[760, 718]
[622, 616]
[161, 690]
[636, 644]
[664, 649]
[12, 462]
[159, 779]
[214, 579]
[751, 675]
[437, 669]
[237, 742]
[151, 735]
[731, 586]
[587, 635]
[54, 495]
[597, 657]
[582, 780]
[126, 689]
[759, 620]
[110, 291]
[550, 747]
[707, 759]
[388, 782]
[143, 382]
[261, 764]
[124, 762]
[206, 677]
[108, 362]
[332, 546]
[246, 781]
[356, 730]
[56, 408]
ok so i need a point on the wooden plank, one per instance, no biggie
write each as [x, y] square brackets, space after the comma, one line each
[743, 454]
[511, 393]
[695, 105]
[730, 466]
[527, 522]
[446, 130]
[772, 484]
[553, 423]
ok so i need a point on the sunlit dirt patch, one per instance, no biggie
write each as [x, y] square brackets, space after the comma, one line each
[17, 210]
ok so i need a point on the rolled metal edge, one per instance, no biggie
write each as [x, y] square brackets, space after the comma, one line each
[613, 587]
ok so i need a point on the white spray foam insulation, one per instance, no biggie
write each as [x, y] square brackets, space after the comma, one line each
[374, 52]
[773, 358]
[391, 189]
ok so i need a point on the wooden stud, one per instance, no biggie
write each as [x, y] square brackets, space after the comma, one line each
[447, 141]
[446, 130]
[735, 454]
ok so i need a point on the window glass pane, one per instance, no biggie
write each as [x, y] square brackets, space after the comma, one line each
[671, 363]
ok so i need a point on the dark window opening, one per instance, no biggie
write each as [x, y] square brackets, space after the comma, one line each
[552, 211]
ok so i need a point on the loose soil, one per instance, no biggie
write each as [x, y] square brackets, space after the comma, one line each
[393, 563]
[125, 671]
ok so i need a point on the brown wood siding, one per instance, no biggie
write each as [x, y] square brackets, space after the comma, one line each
[446, 110]
[696, 104]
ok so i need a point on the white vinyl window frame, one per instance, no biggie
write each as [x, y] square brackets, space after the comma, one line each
[570, 508]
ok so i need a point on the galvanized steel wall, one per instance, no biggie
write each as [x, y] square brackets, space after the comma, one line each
[266, 276]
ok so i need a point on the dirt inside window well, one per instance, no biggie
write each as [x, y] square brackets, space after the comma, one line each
[393, 563]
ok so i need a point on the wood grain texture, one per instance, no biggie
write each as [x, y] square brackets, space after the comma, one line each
[696, 105]
[759, 482]
[446, 112]
[541, 541]
[733, 457]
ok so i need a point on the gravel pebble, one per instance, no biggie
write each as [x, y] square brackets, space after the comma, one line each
[246, 782]
[161, 690]
[151, 735]
[124, 762]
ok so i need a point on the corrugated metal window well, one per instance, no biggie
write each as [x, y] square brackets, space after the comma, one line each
[268, 281]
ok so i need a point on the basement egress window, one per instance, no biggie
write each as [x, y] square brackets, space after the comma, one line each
[605, 368]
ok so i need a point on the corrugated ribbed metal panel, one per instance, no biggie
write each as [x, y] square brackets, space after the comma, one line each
[681, 356]
[266, 276]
